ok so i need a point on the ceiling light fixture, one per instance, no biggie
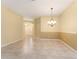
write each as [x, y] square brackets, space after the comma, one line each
[51, 22]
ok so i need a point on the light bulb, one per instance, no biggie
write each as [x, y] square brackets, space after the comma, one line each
[49, 22]
[54, 21]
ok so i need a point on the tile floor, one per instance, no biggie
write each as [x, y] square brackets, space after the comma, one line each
[38, 49]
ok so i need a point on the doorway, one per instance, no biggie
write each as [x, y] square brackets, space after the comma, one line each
[28, 28]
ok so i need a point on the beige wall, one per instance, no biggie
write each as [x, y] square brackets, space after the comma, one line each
[68, 25]
[42, 30]
[49, 32]
[36, 27]
[11, 25]
[65, 28]
[68, 19]
[46, 28]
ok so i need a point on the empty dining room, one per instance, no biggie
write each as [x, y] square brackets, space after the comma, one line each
[38, 29]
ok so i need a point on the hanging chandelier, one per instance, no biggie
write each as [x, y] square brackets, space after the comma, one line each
[51, 22]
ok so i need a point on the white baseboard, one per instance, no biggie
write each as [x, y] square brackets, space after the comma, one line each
[10, 43]
[73, 50]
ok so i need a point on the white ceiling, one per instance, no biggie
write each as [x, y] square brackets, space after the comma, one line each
[32, 9]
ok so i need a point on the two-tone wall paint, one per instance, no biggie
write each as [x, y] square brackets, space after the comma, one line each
[46, 31]
[36, 28]
[65, 29]
[68, 25]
